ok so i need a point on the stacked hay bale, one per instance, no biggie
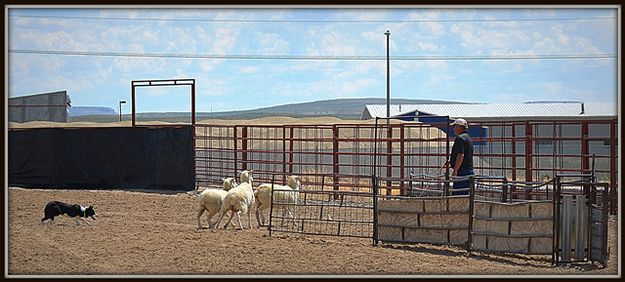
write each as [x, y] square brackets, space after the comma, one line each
[513, 228]
[436, 220]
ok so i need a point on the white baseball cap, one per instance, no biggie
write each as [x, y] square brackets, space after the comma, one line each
[461, 122]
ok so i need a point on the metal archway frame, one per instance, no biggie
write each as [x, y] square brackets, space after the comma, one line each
[163, 82]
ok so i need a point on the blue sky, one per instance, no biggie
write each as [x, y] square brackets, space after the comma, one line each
[479, 36]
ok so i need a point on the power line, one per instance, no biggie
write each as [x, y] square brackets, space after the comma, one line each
[318, 20]
[317, 57]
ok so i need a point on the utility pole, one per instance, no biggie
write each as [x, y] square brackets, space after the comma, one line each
[388, 76]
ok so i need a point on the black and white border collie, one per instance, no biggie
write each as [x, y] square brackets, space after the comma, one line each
[56, 208]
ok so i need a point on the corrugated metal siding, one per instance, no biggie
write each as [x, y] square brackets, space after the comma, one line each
[473, 111]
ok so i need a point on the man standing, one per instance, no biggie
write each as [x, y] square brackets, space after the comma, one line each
[461, 155]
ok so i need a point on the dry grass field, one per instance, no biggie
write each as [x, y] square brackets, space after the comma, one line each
[155, 234]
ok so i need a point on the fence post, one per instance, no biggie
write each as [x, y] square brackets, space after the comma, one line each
[284, 153]
[528, 151]
[504, 192]
[193, 103]
[236, 153]
[389, 157]
[513, 153]
[335, 159]
[613, 169]
[244, 148]
[291, 150]
[471, 207]
[447, 156]
[584, 140]
[401, 158]
[375, 210]
[133, 104]
[555, 239]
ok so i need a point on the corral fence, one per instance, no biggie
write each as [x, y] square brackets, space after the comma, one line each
[580, 206]
[492, 219]
[321, 210]
[344, 153]
[523, 151]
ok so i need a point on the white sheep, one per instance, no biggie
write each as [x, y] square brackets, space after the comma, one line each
[281, 193]
[238, 201]
[211, 200]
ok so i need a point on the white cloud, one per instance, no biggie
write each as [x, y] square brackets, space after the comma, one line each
[332, 43]
[271, 43]
[428, 46]
[562, 38]
[250, 69]
[225, 39]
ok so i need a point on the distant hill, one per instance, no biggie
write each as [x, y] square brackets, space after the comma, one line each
[340, 108]
[89, 111]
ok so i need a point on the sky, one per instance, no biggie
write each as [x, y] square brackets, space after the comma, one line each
[250, 58]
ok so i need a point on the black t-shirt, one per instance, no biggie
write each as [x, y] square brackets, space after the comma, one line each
[462, 145]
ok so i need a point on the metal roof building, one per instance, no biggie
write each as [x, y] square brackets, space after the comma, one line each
[40, 107]
[497, 112]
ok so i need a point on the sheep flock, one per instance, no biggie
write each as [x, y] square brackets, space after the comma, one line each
[237, 199]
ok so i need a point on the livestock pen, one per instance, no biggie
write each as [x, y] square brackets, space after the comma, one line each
[337, 163]
[527, 151]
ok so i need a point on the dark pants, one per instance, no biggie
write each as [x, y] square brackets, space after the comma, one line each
[462, 184]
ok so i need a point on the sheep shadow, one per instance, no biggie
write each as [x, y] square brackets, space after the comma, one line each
[504, 258]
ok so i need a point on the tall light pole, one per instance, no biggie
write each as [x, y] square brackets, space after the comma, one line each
[388, 76]
[120, 109]
[389, 145]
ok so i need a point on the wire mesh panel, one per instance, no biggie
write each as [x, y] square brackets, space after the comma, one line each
[321, 210]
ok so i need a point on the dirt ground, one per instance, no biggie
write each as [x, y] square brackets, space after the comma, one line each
[156, 233]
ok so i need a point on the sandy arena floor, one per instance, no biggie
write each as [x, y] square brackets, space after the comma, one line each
[152, 233]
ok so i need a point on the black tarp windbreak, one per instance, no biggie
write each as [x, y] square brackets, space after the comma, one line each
[102, 158]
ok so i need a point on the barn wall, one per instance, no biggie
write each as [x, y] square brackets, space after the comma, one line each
[102, 158]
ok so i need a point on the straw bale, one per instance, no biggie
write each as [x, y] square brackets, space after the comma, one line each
[431, 220]
[397, 219]
[455, 220]
[389, 233]
[479, 242]
[491, 226]
[435, 205]
[531, 227]
[508, 244]
[458, 204]
[510, 211]
[481, 209]
[458, 237]
[425, 236]
[404, 205]
[542, 210]
[541, 245]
